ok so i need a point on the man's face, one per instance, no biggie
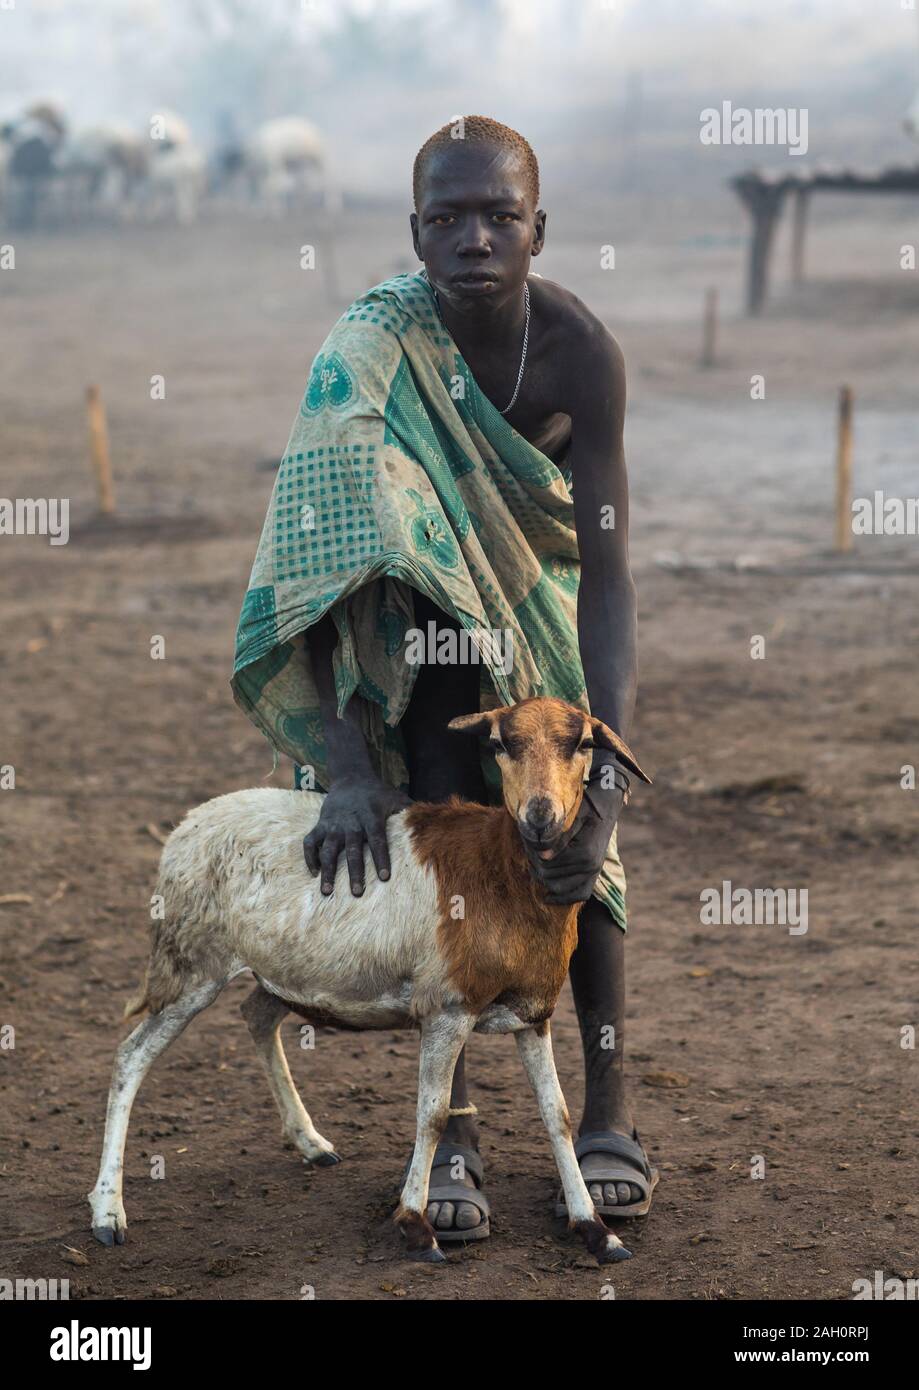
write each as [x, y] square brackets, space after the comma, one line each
[476, 227]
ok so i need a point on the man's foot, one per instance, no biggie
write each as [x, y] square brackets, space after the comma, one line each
[457, 1208]
[616, 1170]
[453, 1213]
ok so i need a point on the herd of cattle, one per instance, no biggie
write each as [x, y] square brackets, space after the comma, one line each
[50, 174]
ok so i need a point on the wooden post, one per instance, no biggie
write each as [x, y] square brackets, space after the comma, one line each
[710, 328]
[765, 213]
[763, 198]
[798, 234]
[99, 450]
[844, 472]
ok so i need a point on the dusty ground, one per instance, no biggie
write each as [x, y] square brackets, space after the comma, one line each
[789, 1046]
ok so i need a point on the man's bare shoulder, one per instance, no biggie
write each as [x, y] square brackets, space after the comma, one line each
[588, 351]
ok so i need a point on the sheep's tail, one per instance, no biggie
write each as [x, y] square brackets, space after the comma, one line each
[163, 984]
[138, 1002]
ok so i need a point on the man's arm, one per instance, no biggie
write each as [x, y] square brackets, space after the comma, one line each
[355, 811]
[346, 747]
[607, 603]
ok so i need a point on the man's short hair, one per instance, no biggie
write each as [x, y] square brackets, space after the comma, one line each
[478, 130]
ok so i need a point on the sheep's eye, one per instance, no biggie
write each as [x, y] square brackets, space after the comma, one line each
[496, 745]
[587, 745]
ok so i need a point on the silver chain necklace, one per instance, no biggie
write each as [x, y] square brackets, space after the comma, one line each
[526, 341]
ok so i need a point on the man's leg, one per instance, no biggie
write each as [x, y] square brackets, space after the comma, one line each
[441, 765]
[597, 973]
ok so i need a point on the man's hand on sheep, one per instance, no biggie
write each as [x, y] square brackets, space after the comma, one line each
[354, 813]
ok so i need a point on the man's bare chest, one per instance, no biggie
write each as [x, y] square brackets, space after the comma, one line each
[539, 412]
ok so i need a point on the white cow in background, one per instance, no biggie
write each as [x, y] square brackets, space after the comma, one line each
[104, 167]
[176, 173]
[175, 183]
[156, 174]
[283, 163]
[159, 173]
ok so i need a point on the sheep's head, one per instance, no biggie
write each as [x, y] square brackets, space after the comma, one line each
[544, 749]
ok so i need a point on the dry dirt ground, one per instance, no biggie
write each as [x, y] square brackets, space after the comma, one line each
[782, 772]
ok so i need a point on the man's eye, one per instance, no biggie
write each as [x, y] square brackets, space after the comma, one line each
[506, 216]
[442, 219]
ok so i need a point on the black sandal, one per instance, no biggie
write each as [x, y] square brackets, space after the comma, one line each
[633, 1168]
[445, 1154]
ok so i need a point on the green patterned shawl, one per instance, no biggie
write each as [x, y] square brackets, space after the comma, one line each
[400, 475]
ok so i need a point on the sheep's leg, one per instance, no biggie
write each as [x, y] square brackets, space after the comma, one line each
[133, 1059]
[264, 1013]
[535, 1048]
[443, 1037]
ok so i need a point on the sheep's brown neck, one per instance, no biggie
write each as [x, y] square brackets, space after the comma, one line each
[497, 931]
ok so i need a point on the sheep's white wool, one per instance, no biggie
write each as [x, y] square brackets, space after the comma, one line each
[234, 869]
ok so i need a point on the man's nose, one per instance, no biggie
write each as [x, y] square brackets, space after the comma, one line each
[473, 240]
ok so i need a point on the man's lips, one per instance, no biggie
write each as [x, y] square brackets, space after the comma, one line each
[475, 277]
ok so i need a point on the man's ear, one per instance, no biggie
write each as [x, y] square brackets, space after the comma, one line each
[539, 232]
[604, 737]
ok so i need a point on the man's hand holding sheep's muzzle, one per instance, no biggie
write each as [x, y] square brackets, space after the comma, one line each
[571, 872]
[544, 748]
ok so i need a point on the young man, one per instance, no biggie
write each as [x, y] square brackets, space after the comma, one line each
[450, 419]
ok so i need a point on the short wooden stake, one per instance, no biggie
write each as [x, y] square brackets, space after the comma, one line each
[710, 328]
[844, 472]
[99, 450]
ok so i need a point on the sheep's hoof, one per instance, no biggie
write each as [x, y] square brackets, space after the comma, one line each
[433, 1255]
[108, 1237]
[613, 1255]
[326, 1160]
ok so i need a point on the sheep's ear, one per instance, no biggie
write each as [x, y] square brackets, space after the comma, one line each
[472, 723]
[604, 737]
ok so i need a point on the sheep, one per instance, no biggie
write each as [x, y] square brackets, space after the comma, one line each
[461, 938]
